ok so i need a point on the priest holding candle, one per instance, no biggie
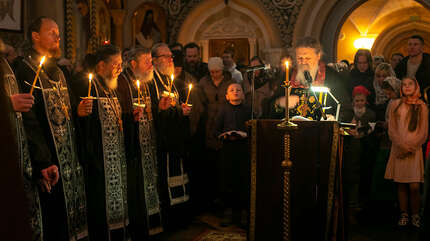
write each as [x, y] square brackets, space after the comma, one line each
[50, 133]
[172, 126]
[135, 92]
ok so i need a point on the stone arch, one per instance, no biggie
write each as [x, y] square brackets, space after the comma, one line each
[256, 24]
[333, 14]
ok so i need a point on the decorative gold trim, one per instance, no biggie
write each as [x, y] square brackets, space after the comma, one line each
[92, 45]
[287, 166]
[70, 32]
[253, 186]
[332, 177]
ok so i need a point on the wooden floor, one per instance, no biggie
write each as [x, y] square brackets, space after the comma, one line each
[372, 225]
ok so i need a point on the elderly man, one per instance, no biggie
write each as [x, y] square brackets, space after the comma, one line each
[193, 62]
[51, 138]
[172, 125]
[104, 157]
[302, 102]
[142, 171]
[416, 64]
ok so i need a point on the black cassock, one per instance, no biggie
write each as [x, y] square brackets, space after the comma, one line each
[104, 159]
[51, 140]
[172, 130]
[141, 149]
[30, 185]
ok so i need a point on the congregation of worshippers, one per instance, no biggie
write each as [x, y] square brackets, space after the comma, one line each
[136, 142]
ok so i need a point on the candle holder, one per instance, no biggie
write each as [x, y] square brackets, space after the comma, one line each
[88, 98]
[139, 105]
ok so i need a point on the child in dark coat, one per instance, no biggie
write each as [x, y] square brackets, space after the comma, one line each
[233, 166]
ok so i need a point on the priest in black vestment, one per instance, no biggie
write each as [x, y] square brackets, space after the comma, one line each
[22, 102]
[104, 158]
[134, 89]
[172, 125]
[302, 102]
[51, 138]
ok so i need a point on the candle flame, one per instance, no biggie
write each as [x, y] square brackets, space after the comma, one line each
[42, 60]
[138, 84]
[171, 77]
[90, 77]
[190, 86]
[286, 64]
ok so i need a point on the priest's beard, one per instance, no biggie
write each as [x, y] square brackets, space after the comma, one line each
[359, 111]
[145, 77]
[55, 52]
[165, 69]
[111, 82]
[300, 73]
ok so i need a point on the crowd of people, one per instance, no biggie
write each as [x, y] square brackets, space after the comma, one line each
[127, 151]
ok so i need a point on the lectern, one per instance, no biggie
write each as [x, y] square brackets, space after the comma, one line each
[301, 201]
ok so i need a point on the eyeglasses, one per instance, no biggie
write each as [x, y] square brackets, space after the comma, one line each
[164, 56]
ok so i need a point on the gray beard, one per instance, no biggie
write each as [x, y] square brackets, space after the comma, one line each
[359, 112]
[111, 83]
[300, 76]
[145, 77]
[165, 69]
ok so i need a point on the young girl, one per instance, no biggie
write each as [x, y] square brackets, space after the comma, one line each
[383, 71]
[407, 128]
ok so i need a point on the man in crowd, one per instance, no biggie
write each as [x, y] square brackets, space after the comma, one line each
[140, 143]
[172, 125]
[416, 64]
[230, 65]
[395, 59]
[104, 156]
[193, 62]
[50, 133]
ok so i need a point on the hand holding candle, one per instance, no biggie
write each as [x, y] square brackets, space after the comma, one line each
[37, 74]
[190, 86]
[90, 77]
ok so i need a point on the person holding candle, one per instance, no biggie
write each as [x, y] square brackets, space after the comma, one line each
[172, 130]
[182, 77]
[105, 156]
[21, 102]
[146, 201]
[50, 133]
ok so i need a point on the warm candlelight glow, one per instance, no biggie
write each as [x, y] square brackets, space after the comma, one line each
[138, 91]
[37, 74]
[42, 61]
[171, 83]
[190, 86]
[90, 77]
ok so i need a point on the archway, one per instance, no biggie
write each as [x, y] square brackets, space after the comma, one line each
[239, 19]
[387, 23]
[321, 18]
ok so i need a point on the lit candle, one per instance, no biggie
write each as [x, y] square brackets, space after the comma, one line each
[287, 73]
[138, 91]
[37, 74]
[171, 83]
[90, 77]
[190, 86]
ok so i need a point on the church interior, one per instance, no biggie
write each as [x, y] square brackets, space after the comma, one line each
[280, 205]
